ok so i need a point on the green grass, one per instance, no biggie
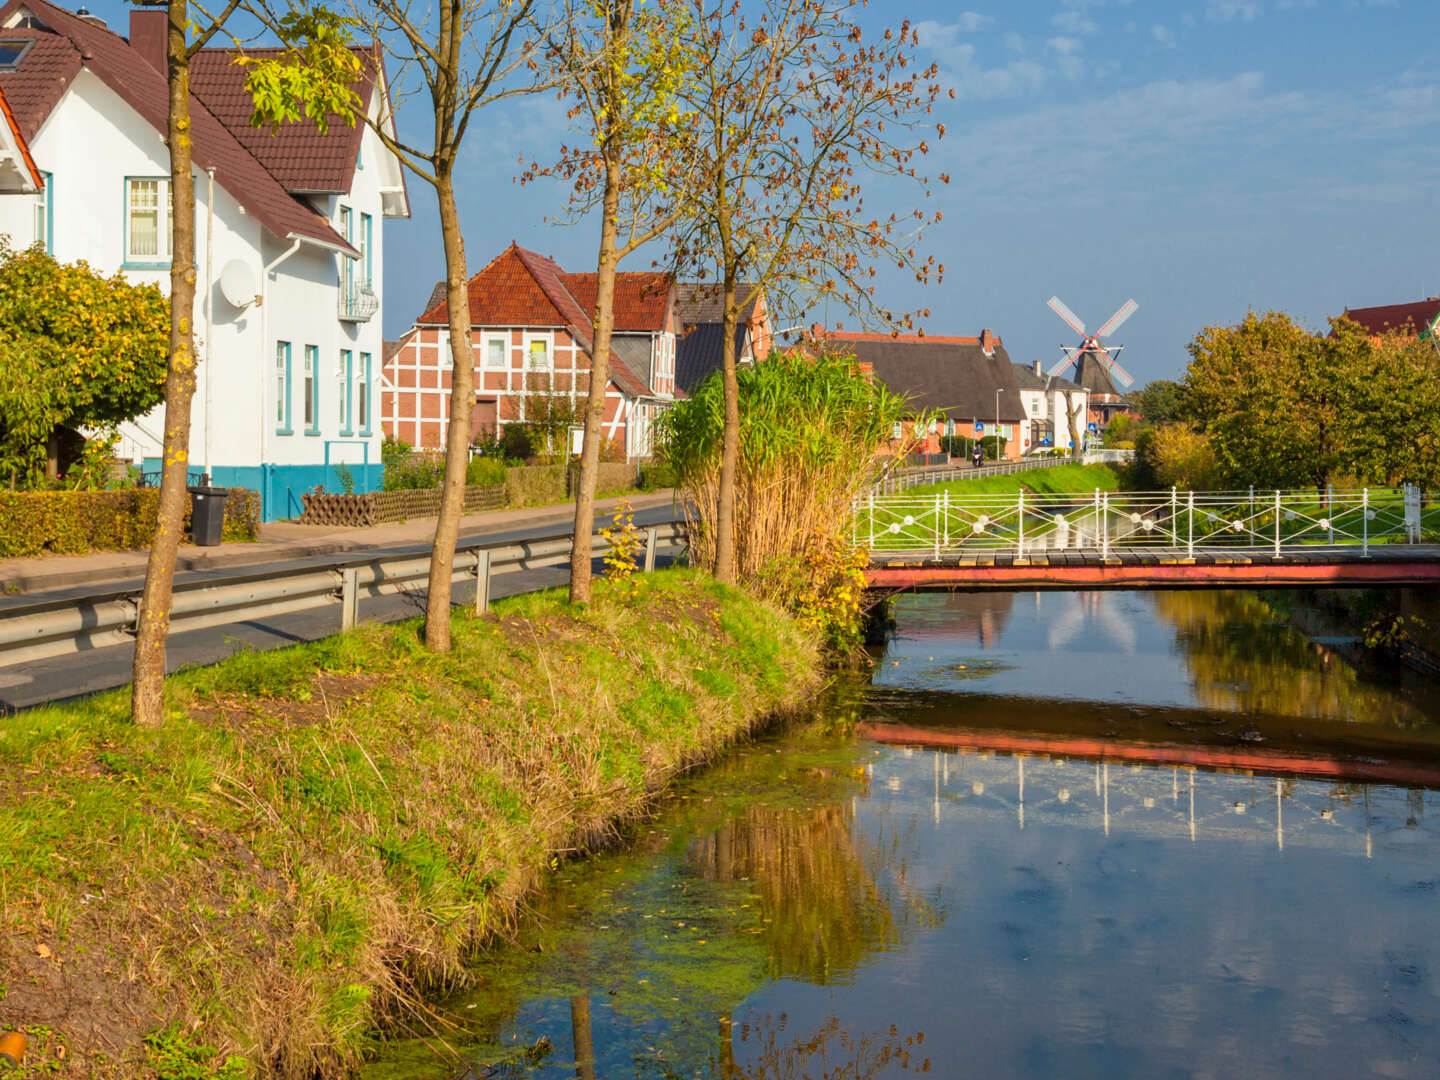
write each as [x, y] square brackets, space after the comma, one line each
[1056, 479]
[321, 835]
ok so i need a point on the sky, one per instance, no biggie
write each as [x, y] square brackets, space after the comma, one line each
[1204, 157]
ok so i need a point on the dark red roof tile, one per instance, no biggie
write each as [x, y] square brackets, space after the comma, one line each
[1412, 318]
[642, 299]
[297, 154]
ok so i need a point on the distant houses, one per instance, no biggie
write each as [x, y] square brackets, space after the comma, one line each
[1420, 318]
[970, 384]
[288, 249]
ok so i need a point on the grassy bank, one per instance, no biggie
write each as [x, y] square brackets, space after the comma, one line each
[1056, 479]
[319, 836]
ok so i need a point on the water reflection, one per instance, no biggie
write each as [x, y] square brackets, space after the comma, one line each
[1111, 868]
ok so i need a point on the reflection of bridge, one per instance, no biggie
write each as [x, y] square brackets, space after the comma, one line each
[1169, 539]
[1048, 784]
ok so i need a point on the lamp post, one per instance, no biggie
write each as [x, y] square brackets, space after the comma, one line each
[998, 391]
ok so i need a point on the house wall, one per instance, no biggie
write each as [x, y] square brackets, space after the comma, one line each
[415, 402]
[89, 144]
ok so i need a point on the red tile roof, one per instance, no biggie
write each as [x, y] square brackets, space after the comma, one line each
[642, 299]
[20, 143]
[72, 42]
[1412, 318]
[520, 288]
[297, 155]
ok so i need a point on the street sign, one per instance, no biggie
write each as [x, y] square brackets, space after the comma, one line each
[979, 427]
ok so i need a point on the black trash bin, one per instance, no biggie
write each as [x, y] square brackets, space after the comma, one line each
[207, 514]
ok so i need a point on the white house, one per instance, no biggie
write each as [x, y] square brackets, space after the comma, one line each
[289, 242]
[1045, 399]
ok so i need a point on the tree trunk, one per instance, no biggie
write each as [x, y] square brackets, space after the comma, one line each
[1072, 414]
[457, 437]
[580, 547]
[153, 617]
[730, 436]
[581, 1037]
[52, 455]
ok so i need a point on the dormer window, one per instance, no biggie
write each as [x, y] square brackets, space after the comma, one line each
[12, 51]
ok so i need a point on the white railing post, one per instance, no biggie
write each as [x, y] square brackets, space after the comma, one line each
[872, 521]
[1190, 523]
[1096, 515]
[1330, 509]
[1412, 513]
[1020, 540]
[1105, 525]
[1277, 524]
[936, 528]
[349, 597]
[1365, 522]
[946, 519]
[1174, 513]
[482, 580]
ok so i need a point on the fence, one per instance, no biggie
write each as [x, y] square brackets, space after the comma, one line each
[902, 479]
[34, 630]
[1182, 523]
[379, 507]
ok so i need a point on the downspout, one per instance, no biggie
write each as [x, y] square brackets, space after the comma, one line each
[210, 314]
[264, 369]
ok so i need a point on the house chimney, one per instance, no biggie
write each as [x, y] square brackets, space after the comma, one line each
[147, 34]
[987, 342]
[817, 331]
[1037, 368]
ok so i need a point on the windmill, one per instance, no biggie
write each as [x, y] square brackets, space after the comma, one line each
[1095, 367]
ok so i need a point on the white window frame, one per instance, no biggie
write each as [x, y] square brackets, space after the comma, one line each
[165, 226]
[549, 340]
[486, 341]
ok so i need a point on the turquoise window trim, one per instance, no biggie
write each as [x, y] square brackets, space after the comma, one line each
[367, 235]
[285, 427]
[347, 406]
[365, 373]
[312, 358]
[159, 262]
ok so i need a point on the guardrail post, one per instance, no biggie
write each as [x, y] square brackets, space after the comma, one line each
[651, 536]
[1190, 525]
[349, 597]
[482, 580]
[872, 521]
[1330, 509]
[1277, 524]
[1365, 522]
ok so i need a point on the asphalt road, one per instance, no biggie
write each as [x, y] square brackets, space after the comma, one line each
[79, 674]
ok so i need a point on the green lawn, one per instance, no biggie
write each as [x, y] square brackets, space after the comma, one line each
[1056, 480]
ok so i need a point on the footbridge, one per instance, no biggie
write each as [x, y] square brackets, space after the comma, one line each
[1150, 539]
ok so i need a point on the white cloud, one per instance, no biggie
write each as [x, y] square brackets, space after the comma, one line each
[937, 35]
[1014, 42]
[1164, 35]
[1073, 22]
[1231, 10]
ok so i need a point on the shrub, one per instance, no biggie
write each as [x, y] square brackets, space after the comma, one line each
[484, 472]
[533, 485]
[74, 522]
[410, 470]
[657, 475]
[1176, 455]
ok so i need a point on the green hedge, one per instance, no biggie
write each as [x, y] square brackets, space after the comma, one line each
[74, 522]
[534, 485]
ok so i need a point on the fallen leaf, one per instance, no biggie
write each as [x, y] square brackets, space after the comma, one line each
[43, 951]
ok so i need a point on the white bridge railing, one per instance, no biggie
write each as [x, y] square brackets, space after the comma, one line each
[905, 477]
[1179, 523]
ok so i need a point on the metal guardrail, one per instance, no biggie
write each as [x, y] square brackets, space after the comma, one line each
[1179, 523]
[60, 625]
[906, 477]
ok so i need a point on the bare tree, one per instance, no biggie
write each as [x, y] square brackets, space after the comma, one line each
[623, 64]
[152, 622]
[468, 54]
[791, 109]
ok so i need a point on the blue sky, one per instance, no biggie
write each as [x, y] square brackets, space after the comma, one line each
[1202, 156]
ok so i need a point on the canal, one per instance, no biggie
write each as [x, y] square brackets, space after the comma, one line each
[1058, 835]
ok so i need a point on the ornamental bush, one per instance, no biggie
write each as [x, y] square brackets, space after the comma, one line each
[74, 522]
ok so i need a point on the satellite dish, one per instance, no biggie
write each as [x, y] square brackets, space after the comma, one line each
[237, 284]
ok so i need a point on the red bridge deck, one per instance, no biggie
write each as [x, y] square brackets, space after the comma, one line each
[1153, 568]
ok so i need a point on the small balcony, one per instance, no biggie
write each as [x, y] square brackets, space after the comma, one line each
[358, 301]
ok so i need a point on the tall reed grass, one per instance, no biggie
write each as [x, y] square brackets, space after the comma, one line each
[810, 431]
